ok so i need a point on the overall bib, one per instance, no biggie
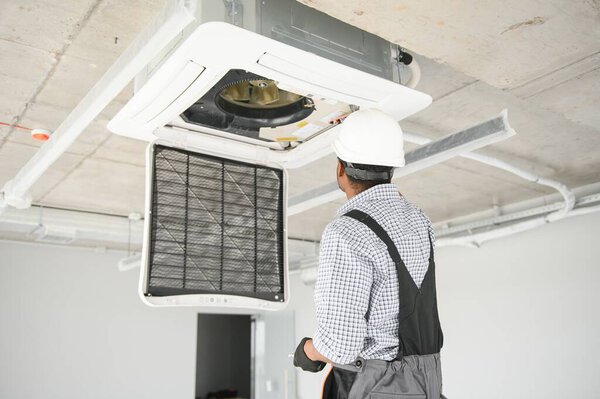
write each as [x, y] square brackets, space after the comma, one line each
[416, 371]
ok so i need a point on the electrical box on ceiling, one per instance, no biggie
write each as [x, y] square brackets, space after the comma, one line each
[264, 79]
[249, 90]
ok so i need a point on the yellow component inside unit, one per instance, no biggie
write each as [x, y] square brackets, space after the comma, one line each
[258, 94]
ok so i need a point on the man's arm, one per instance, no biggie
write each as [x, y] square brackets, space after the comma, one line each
[342, 294]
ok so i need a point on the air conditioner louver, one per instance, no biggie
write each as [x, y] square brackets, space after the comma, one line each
[216, 227]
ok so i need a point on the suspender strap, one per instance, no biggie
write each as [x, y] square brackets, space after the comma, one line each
[419, 330]
[379, 231]
[401, 271]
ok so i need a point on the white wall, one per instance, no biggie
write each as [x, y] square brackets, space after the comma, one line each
[520, 315]
[72, 326]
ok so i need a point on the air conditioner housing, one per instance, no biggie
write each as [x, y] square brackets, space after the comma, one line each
[319, 68]
[265, 84]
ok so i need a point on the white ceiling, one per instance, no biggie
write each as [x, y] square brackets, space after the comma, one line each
[539, 59]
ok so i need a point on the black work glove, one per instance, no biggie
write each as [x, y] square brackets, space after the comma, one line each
[302, 361]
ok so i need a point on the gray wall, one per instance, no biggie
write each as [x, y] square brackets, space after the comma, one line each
[520, 315]
[72, 326]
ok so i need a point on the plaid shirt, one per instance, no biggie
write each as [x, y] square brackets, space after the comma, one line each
[356, 293]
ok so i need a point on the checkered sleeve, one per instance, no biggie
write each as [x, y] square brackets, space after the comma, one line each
[429, 227]
[342, 293]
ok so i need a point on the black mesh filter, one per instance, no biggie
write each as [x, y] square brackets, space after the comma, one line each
[217, 227]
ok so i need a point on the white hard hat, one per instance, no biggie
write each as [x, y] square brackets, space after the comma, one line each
[370, 137]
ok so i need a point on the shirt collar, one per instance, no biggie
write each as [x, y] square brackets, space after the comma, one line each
[378, 192]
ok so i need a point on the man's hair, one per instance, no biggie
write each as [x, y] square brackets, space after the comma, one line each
[363, 185]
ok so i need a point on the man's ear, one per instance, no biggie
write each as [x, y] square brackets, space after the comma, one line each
[340, 169]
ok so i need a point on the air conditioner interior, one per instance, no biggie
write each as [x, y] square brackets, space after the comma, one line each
[253, 106]
[243, 103]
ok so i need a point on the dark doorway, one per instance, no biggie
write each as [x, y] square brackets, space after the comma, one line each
[223, 357]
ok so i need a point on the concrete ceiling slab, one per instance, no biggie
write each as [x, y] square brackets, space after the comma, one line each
[64, 91]
[122, 149]
[541, 138]
[445, 191]
[504, 43]
[102, 186]
[50, 117]
[28, 64]
[310, 225]
[13, 156]
[548, 81]
[440, 79]
[110, 29]
[314, 175]
[43, 25]
[20, 90]
[538, 59]
[578, 99]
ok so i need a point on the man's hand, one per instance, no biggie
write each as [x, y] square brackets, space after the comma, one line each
[303, 361]
[313, 353]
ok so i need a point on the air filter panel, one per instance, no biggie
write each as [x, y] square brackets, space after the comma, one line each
[215, 232]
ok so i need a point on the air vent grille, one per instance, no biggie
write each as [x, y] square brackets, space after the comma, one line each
[216, 227]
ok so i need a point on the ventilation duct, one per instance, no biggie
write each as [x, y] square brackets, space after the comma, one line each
[215, 232]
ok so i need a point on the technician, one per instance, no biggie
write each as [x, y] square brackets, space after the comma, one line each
[375, 293]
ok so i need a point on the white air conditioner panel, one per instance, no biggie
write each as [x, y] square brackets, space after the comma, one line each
[215, 48]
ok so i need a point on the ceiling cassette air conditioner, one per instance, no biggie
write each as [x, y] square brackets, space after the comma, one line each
[264, 80]
[250, 89]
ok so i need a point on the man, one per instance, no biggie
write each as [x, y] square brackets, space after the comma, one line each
[375, 293]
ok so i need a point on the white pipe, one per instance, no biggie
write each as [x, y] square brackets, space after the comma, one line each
[415, 74]
[568, 196]
[147, 46]
[581, 207]
[479, 238]
[496, 220]
[584, 210]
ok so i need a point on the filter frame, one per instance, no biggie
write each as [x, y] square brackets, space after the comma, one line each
[225, 301]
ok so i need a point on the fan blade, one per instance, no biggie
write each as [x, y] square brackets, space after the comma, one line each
[264, 92]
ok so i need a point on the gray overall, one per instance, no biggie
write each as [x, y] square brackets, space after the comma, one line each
[416, 372]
